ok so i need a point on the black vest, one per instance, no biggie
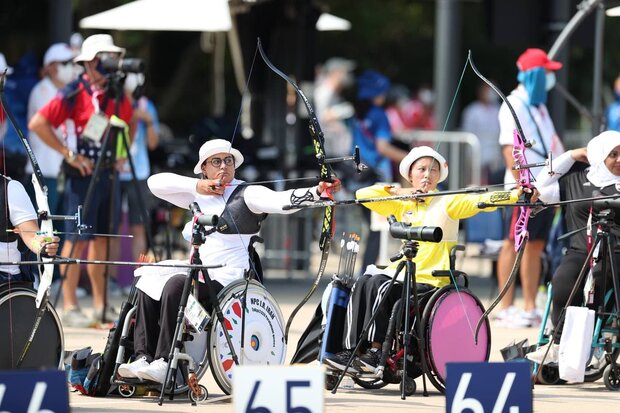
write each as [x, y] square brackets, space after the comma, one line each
[5, 221]
[237, 217]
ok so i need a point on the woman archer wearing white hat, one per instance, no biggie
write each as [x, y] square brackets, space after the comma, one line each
[424, 168]
[241, 209]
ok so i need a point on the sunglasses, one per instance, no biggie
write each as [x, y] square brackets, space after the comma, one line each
[217, 162]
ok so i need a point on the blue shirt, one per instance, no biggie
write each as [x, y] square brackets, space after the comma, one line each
[366, 132]
[613, 116]
[139, 147]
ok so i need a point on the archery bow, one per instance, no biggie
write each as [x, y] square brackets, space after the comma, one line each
[326, 173]
[46, 226]
[521, 234]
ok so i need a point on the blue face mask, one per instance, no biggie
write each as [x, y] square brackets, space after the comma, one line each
[534, 81]
[616, 94]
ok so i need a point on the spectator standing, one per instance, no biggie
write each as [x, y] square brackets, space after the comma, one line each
[58, 71]
[372, 133]
[536, 77]
[613, 111]
[480, 118]
[145, 139]
[90, 104]
[332, 110]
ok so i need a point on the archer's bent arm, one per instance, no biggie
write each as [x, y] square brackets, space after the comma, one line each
[547, 181]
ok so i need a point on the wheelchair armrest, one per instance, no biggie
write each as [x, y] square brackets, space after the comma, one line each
[448, 273]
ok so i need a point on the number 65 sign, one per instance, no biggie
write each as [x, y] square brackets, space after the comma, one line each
[275, 389]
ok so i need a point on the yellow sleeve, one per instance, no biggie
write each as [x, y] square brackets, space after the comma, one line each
[384, 208]
[466, 205]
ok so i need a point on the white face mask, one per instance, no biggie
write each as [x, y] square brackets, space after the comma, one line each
[550, 81]
[65, 73]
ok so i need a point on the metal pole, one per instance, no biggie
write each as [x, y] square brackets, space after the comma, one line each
[560, 14]
[597, 102]
[447, 44]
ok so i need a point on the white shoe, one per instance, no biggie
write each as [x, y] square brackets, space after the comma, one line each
[511, 317]
[74, 317]
[130, 370]
[156, 371]
[552, 357]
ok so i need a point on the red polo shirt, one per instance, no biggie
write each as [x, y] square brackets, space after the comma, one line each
[75, 102]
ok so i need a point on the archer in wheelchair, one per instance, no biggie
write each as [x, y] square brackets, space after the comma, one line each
[229, 289]
[373, 313]
[17, 297]
[587, 275]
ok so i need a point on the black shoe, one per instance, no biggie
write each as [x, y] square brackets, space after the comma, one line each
[339, 361]
[370, 360]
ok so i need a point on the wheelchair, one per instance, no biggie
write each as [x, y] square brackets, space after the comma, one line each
[447, 317]
[17, 314]
[605, 347]
[253, 321]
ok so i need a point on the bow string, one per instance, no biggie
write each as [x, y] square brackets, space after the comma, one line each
[521, 235]
[326, 174]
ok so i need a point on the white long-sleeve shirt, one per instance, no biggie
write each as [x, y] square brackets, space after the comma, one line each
[229, 249]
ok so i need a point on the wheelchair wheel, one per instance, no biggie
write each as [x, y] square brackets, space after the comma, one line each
[126, 390]
[17, 315]
[204, 394]
[549, 375]
[448, 323]
[370, 384]
[330, 382]
[611, 377]
[410, 386]
[261, 322]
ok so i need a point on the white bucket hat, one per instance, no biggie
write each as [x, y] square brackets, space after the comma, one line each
[58, 52]
[4, 65]
[421, 152]
[214, 146]
[97, 43]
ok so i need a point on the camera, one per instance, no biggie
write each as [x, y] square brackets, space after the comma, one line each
[123, 65]
[402, 230]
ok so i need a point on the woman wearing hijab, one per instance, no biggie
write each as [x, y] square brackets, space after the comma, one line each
[573, 178]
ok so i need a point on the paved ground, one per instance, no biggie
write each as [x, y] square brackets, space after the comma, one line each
[591, 397]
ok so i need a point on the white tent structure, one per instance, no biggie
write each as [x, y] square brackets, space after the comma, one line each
[175, 15]
[182, 15]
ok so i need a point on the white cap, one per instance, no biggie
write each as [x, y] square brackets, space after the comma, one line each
[58, 52]
[97, 43]
[422, 152]
[214, 146]
[4, 65]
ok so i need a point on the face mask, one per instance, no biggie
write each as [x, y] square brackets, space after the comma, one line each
[549, 81]
[617, 94]
[65, 73]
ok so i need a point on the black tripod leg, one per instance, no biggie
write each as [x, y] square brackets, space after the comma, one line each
[616, 286]
[367, 326]
[178, 333]
[87, 200]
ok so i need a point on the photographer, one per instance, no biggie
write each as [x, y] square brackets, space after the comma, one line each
[574, 179]
[90, 101]
[424, 168]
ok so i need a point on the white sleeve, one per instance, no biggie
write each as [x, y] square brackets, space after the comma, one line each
[260, 199]
[547, 180]
[20, 205]
[506, 124]
[177, 189]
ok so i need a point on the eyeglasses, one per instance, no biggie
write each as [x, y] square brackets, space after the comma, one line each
[217, 162]
[65, 63]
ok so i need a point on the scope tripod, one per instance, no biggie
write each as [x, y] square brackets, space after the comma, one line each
[407, 385]
[605, 242]
[198, 238]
